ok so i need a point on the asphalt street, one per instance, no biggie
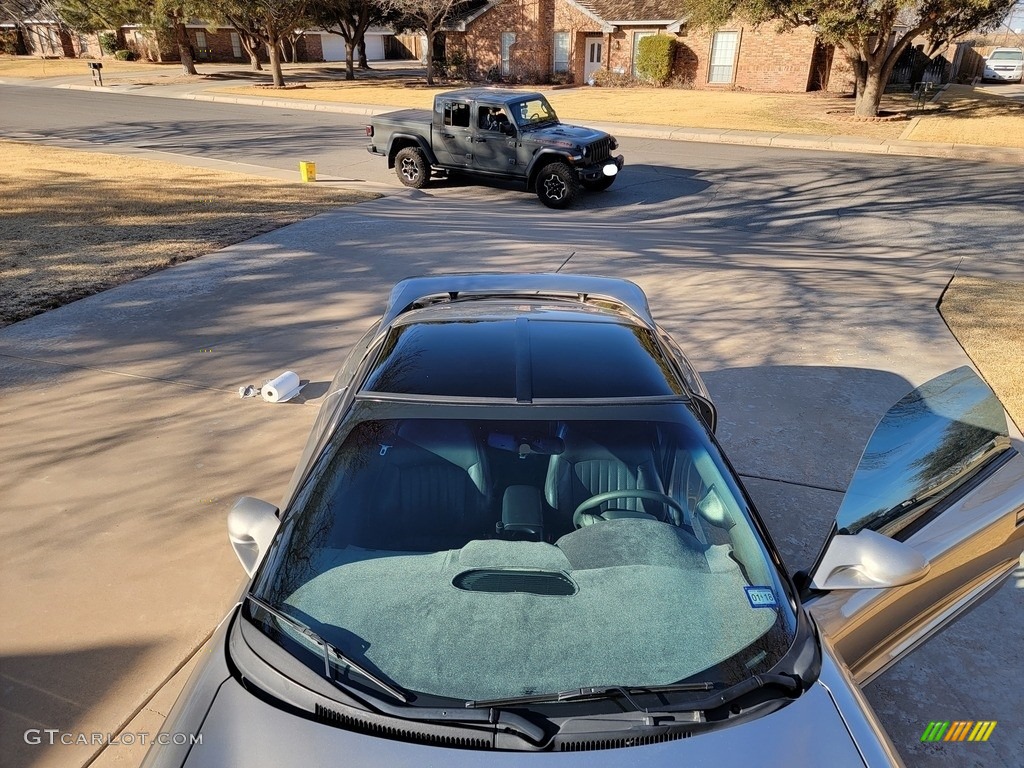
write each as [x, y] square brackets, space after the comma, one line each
[802, 284]
[956, 208]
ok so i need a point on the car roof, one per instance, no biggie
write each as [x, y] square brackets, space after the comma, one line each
[522, 350]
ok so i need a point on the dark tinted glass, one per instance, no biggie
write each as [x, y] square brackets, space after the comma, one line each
[597, 360]
[468, 359]
[483, 359]
[925, 447]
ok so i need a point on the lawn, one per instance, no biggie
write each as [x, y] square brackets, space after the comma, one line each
[959, 116]
[74, 223]
[35, 67]
[987, 318]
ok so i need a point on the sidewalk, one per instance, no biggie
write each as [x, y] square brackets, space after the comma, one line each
[833, 143]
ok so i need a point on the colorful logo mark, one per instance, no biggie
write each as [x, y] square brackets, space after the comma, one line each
[958, 730]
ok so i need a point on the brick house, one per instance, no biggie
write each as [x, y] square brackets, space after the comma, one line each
[571, 40]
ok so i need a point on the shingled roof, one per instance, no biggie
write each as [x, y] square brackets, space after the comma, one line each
[609, 12]
[614, 11]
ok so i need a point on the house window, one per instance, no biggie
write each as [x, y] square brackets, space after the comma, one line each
[508, 39]
[723, 57]
[561, 55]
[201, 44]
[637, 37]
[236, 45]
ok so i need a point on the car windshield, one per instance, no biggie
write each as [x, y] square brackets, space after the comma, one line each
[474, 552]
[1007, 56]
[532, 111]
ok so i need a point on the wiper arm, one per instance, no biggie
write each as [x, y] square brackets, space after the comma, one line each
[708, 702]
[328, 649]
[578, 694]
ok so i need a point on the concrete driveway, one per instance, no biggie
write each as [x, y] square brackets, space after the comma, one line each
[125, 444]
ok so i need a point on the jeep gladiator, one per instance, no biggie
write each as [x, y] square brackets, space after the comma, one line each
[500, 134]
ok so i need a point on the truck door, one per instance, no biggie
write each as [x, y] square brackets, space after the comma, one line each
[494, 147]
[456, 134]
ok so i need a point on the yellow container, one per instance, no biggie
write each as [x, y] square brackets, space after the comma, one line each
[307, 171]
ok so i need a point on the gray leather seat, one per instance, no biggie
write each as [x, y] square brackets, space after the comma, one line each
[433, 490]
[587, 468]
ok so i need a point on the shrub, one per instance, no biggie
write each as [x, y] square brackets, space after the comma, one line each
[108, 42]
[654, 58]
[124, 55]
[604, 78]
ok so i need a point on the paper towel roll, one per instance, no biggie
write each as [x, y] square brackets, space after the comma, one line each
[284, 387]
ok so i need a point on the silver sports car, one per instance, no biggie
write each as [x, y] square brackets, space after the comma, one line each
[512, 531]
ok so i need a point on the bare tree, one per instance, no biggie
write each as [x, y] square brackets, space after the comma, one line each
[427, 16]
[269, 21]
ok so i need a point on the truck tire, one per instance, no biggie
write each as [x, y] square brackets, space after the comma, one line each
[557, 186]
[600, 185]
[412, 167]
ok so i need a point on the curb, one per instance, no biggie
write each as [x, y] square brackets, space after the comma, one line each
[900, 147]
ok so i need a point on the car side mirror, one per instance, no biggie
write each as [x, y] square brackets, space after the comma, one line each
[251, 527]
[867, 560]
[508, 129]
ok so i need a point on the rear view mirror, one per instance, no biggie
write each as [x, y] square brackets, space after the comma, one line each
[251, 527]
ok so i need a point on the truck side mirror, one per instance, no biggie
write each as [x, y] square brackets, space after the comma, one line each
[508, 129]
[251, 527]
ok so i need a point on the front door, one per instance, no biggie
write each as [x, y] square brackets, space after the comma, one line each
[594, 57]
[494, 149]
[942, 477]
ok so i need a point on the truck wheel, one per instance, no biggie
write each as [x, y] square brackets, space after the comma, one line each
[557, 185]
[600, 185]
[412, 167]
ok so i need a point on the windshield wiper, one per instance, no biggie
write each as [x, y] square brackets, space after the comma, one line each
[602, 692]
[791, 684]
[328, 649]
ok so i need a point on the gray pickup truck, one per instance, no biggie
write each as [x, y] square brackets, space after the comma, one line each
[499, 134]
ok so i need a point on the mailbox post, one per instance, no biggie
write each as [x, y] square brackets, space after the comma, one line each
[97, 74]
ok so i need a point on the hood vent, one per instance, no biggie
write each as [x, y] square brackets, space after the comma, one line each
[437, 735]
[590, 744]
[549, 583]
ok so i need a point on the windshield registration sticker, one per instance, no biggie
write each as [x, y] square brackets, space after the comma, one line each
[761, 597]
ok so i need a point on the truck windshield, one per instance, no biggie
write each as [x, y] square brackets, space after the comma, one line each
[532, 111]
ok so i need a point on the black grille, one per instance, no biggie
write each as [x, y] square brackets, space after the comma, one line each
[600, 150]
[507, 580]
[372, 728]
[590, 744]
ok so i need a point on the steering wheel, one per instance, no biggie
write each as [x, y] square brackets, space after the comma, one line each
[535, 116]
[635, 493]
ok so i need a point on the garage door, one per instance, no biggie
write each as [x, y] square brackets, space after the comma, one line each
[334, 47]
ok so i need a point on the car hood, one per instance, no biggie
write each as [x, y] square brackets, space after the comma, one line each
[241, 729]
[565, 133]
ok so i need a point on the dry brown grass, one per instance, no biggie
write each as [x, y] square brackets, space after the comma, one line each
[987, 318]
[968, 116]
[74, 223]
[781, 113]
[962, 117]
[34, 67]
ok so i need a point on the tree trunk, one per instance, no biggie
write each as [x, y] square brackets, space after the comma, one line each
[275, 62]
[188, 65]
[870, 96]
[252, 50]
[363, 63]
[429, 30]
[350, 72]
